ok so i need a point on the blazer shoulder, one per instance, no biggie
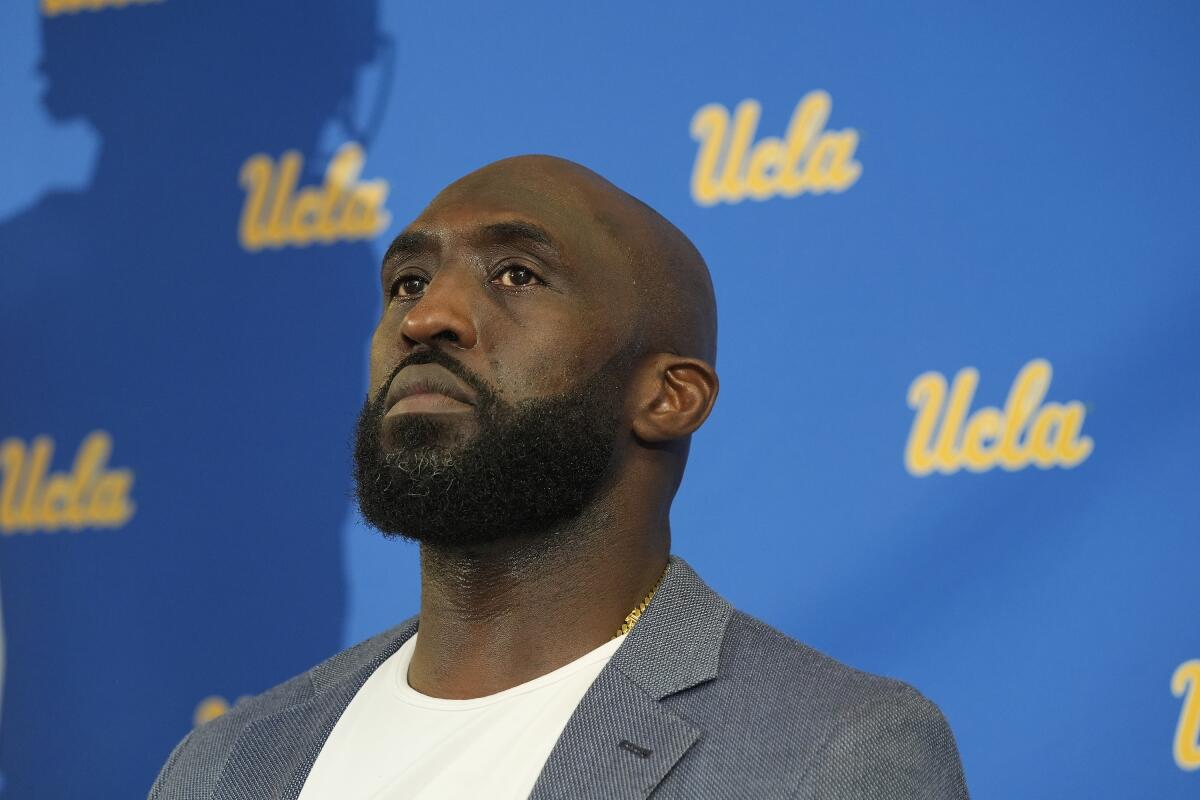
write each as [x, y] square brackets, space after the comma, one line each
[194, 766]
[896, 746]
[752, 647]
[853, 733]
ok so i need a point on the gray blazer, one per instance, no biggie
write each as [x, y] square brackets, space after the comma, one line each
[700, 701]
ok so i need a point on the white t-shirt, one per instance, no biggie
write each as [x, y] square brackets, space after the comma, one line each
[394, 742]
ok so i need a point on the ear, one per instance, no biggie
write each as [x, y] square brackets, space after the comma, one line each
[675, 396]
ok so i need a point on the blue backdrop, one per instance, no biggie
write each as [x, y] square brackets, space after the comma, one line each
[955, 255]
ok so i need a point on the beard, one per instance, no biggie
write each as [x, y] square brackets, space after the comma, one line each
[529, 467]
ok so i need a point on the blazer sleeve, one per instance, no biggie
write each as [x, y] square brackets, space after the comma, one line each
[895, 746]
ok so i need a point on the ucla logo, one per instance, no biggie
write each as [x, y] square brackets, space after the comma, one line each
[945, 438]
[52, 8]
[731, 166]
[343, 208]
[90, 495]
[1185, 683]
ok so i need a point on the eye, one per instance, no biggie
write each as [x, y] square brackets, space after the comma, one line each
[516, 275]
[408, 286]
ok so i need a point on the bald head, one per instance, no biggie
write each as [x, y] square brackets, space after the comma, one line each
[675, 305]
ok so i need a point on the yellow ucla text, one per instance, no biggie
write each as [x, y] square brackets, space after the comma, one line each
[731, 166]
[945, 438]
[344, 208]
[52, 8]
[89, 495]
[1185, 683]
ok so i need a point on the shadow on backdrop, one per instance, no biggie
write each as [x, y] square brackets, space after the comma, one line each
[227, 379]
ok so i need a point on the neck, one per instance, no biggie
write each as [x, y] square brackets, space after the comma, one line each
[497, 616]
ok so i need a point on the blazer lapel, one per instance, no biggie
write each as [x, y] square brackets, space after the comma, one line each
[618, 744]
[273, 755]
[622, 741]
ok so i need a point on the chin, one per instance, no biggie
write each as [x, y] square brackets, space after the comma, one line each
[420, 432]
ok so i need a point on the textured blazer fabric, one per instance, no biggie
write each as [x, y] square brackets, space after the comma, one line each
[700, 701]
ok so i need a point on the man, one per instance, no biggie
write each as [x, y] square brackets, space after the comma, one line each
[544, 354]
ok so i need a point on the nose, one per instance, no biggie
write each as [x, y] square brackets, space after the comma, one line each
[443, 314]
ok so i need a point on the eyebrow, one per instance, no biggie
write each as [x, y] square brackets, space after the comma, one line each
[516, 230]
[409, 243]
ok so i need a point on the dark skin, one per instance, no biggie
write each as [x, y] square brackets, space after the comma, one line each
[532, 273]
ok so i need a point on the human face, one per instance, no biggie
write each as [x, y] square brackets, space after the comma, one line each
[498, 365]
[514, 279]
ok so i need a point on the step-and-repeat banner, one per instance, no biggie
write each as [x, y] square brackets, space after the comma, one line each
[955, 251]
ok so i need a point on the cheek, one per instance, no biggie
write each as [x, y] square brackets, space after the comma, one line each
[542, 366]
[383, 359]
[524, 369]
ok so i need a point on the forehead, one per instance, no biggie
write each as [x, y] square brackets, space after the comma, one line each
[577, 217]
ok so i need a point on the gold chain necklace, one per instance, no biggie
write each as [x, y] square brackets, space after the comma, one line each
[633, 616]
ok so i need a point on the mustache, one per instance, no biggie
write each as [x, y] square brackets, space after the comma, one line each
[486, 395]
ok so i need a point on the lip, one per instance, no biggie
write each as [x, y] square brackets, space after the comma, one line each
[427, 388]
